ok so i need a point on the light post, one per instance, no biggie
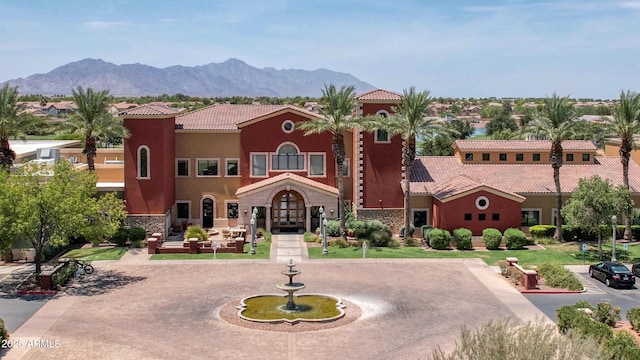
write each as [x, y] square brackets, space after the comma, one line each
[323, 230]
[614, 223]
[254, 226]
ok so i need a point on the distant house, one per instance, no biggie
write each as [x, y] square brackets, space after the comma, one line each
[60, 108]
[117, 108]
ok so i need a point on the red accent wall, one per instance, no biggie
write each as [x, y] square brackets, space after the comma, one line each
[382, 167]
[266, 135]
[450, 215]
[157, 194]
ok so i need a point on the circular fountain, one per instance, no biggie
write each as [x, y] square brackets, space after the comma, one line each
[291, 308]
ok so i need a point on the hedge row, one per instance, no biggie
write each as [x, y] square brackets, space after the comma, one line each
[570, 233]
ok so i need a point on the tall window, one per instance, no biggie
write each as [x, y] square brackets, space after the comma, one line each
[503, 157]
[287, 158]
[569, 157]
[586, 157]
[486, 157]
[182, 210]
[143, 162]
[520, 157]
[232, 166]
[182, 167]
[259, 165]
[382, 136]
[232, 210]
[208, 167]
[316, 165]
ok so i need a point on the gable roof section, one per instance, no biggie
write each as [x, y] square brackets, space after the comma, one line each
[462, 185]
[541, 145]
[151, 110]
[284, 179]
[430, 173]
[379, 95]
[233, 116]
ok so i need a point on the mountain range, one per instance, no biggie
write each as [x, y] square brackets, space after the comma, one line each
[232, 77]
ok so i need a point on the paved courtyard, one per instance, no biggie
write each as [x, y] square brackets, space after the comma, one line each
[171, 310]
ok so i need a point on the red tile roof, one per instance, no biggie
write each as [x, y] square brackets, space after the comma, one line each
[285, 178]
[230, 116]
[151, 110]
[467, 145]
[462, 184]
[431, 173]
[379, 94]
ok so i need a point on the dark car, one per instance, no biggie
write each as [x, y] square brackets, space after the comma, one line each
[613, 274]
[635, 269]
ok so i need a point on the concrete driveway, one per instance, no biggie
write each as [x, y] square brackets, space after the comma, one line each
[170, 310]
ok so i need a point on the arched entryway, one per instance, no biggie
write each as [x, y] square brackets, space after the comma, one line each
[288, 212]
[207, 212]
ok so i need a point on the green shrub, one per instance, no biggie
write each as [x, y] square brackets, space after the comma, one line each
[120, 237]
[570, 318]
[514, 239]
[504, 267]
[607, 314]
[364, 229]
[311, 237]
[4, 334]
[622, 346]
[196, 231]
[557, 276]
[426, 229]
[635, 232]
[492, 238]
[380, 238]
[439, 239]
[462, 238]
[393, 243]
[339, 242]
[266, 234]
[62, 275]
[333, 228]
[542, 231]
[410, 242]
[633, 315]
[412, 229]
[137, 234]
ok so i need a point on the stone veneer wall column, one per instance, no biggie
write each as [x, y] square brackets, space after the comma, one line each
[150, 223]
[394, 218]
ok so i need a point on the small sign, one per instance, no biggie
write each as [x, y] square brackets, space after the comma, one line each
[584, 247]
[625, 246]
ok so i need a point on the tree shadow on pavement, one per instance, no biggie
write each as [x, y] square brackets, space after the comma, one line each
[100, 282]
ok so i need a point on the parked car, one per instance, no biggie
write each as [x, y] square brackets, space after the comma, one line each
[613, 274]
[635, 269]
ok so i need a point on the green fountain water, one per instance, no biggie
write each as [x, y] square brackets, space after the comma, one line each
[291, 308]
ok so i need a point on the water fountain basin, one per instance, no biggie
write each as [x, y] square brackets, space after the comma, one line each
[309, 308]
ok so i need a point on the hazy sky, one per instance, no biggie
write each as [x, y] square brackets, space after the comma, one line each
[581, 48]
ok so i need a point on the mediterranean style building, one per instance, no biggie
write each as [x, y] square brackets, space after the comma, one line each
[212, 166]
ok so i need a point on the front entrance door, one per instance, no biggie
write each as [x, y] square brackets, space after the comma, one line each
[288, 212]
[207, 213]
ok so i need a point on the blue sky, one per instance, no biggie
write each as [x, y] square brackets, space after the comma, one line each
[581, 48]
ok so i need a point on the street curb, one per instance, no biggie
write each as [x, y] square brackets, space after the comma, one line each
[549, 292]
[36, 292]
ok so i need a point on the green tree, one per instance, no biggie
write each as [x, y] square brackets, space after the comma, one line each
[440, 144]
[57, 203]
[12, 124]
[336, 117]
[625, 123]
[410, 121]
[93, 121]
[593, 203]
[502, 122]
[490, 112]
[555, 122]
[9, 199]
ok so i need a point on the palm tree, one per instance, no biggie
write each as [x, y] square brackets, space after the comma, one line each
[409, 121]
[337, 108]
[12, 124]
[93, 121]
[555, 122]
[625, 124]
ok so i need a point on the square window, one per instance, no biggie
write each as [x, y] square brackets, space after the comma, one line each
[468, 157]
[569, 157]
[182, 210]
[536, 157]
[495, 217]
[503, 157]
[258, 165]
[519, 157]
[467, 217]
[316, 164]
[586, 157]
[486, 156]
[182, 167]
[232, 167]
[232, 210]
[382, 135]
[208, 167]
[482, 217]
[530, 217]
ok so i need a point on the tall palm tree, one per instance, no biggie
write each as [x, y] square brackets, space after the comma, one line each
[93, 121]
[336, 112]
[409, 121]
[12, 124]
[555, 122]
[625, 123]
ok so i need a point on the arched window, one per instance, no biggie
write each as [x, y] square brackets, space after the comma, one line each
[143, 162]
[381, 135]
[287, 158]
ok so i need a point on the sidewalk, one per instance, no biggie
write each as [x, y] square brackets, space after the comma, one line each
[286, 247]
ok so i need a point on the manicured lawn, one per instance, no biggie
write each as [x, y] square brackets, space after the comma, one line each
[97, 253]
[262, 252]
[559, 254]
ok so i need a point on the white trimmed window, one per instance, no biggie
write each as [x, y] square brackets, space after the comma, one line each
[346, 168]
[232, 209]
[232, 167]
[317, 167]
[288, 157]
[530, 217]
[208, 167]
[381, 136]
[258, 164]
[144, 162]
[182, 167]
[183, 209]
